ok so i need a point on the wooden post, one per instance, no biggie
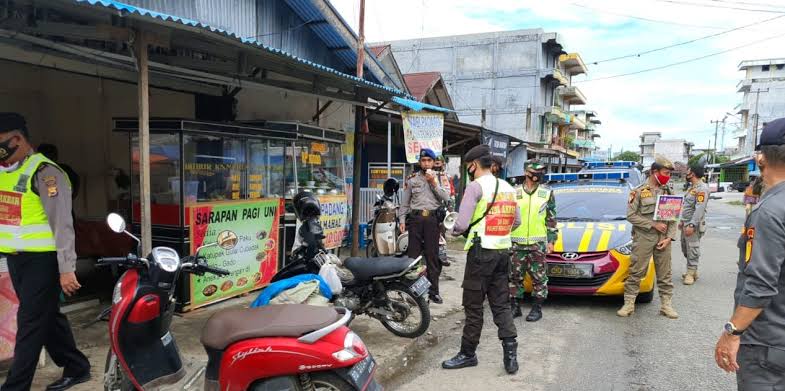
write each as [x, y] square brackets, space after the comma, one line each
[359, 118]
[144, 140]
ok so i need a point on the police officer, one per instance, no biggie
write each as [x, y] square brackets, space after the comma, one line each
[650, 238]
[422, 196]
[532, 240]
[37, 237]
[692, 222]
[753, 344]
[487, 215]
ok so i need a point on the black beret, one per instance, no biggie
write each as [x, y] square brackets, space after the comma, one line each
[477, 152]
[773, 133]
[12, 121]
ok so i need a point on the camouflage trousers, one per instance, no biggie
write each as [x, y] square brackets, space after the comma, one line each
[529, 259]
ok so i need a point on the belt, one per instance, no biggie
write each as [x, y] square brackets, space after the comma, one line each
[423, 213]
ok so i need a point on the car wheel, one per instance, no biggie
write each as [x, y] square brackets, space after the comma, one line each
[645, 297]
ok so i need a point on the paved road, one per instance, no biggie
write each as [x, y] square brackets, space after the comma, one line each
[582, 344]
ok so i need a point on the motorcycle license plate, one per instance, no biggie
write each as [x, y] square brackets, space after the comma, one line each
[361, 375]
[420, 286]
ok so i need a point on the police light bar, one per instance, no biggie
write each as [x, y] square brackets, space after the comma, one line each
[591, 176]
[616, 164]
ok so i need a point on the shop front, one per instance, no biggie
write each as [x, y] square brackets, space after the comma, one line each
[216, 179]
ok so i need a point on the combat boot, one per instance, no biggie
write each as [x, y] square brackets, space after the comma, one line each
[536, 312]
[690, 277]
[510, 347]
[666, 308]
[515, 306]
[628, 308]
[461, 360]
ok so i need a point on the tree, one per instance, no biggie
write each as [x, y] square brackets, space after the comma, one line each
[628, 156]
[720, 159]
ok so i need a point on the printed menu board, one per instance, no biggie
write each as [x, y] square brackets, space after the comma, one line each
[249, 231]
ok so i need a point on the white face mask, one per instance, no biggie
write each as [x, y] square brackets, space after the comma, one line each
[9, 168]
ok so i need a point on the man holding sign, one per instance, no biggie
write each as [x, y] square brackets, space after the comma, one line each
[652, 212]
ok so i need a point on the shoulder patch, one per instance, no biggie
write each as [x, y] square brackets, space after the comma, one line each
[646, 193]
[701, 197]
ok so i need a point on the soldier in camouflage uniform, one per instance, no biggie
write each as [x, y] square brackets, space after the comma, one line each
[532, 240]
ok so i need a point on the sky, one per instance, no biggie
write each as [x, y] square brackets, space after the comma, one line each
[680, 101]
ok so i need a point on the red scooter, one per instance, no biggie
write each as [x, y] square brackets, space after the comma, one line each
[285, 347]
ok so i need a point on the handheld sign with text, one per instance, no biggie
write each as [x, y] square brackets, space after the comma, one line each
[668, 208]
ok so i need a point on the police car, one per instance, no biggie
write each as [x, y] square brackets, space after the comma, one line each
[635, 177]
[592, 253]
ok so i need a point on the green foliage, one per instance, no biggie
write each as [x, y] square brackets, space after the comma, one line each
[629, 156]
[709, 157]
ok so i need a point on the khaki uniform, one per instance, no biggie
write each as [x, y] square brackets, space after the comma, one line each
[640, 213]
[693, 213]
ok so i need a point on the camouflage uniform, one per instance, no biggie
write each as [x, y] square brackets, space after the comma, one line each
[531, 259]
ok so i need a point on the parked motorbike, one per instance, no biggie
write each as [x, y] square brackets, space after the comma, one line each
[384, 237]
[283, 347]
[390, 289]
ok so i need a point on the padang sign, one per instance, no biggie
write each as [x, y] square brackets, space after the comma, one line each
[422, 130]
[497, 142]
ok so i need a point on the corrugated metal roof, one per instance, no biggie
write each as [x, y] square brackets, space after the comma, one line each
[420, 83]
[127, 9]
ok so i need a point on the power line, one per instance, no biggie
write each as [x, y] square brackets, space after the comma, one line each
[647, 19]
[718, 6]
[687, 42]
[748, 3]
[682, 62]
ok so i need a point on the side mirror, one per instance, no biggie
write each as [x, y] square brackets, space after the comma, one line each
[116, 222]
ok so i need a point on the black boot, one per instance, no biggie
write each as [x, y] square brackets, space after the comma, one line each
[461, 360]
[515, 306]
[510, 356]
[535, 314]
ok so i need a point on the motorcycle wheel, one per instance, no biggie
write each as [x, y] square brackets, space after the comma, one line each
[400, 295]
[328, 381]
[122, 383]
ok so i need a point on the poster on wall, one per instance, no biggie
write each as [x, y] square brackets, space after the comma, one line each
[9, 304]
[333, 219]
[422, 130]
[249, 230]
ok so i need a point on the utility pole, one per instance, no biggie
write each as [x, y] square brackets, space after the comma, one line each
[755, 119]
[359, 119]
[716, 128]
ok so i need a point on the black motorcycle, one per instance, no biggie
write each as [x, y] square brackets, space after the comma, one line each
[390, 289]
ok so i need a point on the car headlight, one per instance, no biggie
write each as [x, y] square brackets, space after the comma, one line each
[625, 249]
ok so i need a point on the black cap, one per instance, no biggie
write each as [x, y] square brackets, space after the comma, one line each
[773, 133]
[12, 121]
[477, 152]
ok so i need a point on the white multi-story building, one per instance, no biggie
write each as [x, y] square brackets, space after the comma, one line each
[764, 95]
[648, 139]
[652, 144]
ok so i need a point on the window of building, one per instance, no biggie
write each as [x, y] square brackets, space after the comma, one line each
[215, 168]
[164, 178]
[780, 66]
[765, 68]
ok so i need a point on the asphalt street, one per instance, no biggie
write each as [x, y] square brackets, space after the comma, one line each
[581, 344]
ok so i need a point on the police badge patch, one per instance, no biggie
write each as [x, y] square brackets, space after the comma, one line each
[51, 186]
[701, 197]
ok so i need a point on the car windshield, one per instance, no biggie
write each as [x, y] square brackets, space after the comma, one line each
[591, 203]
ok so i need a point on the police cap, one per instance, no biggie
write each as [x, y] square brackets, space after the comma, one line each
[661, 162]
[773, 133]
[535, 164]
[477, 152]
[13, 121]
[427, 152]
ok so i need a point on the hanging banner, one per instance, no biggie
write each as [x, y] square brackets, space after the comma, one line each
[333, 219]
[422, 130]
[497, 142]
[250, 251]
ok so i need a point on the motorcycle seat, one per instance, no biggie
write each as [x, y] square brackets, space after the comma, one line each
[367, 268]
[291, 320]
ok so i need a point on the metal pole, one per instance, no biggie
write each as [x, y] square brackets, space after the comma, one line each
[144, 140]
[358, 142]
[714, 154]
[389, 145]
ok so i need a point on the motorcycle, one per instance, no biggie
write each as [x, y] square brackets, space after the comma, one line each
[384, 237]
[390, 289]
[283, 347]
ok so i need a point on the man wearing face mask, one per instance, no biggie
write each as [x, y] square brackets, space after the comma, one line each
[532, 240]
[753, 341]
[650, 238]
[692, 224]
[487, 215]
[37, 237]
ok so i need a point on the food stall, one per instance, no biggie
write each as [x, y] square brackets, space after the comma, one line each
[234, 179]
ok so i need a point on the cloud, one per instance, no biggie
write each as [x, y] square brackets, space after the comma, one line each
[679, 101]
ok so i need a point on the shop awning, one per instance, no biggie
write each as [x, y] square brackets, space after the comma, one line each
[418, 106]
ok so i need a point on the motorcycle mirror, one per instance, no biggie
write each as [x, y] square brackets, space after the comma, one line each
[116, 222]
[204, 246]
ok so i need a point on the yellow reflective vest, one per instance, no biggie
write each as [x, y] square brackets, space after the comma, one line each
[24, 226]
[494, 229]
[533, 228]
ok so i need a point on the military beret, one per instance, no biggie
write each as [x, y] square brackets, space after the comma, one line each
[663, 162]
[535, 164]
[12, 121]
[477, 152]
[427, 152]
[773, 133]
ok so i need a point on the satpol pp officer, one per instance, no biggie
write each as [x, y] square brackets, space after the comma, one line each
[650, 238]
[37, 237]
[753, 342]
[422, 196]
[488, 214]
[693, 224]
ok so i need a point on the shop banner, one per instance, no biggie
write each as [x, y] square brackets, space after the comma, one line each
[9, 304]
[333, 219]
[422, 130]
[378, 174]
[250, 251]
[497, 142]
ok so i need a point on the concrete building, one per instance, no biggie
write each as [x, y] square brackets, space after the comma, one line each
[648, 139]
[763, 87]
[521, 78]
[652, 144]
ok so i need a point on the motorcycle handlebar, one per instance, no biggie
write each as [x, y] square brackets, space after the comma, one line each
[111, 260]
[215, 270]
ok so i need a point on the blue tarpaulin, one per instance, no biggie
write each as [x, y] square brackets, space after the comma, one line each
[418, 106]
[276, 288]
